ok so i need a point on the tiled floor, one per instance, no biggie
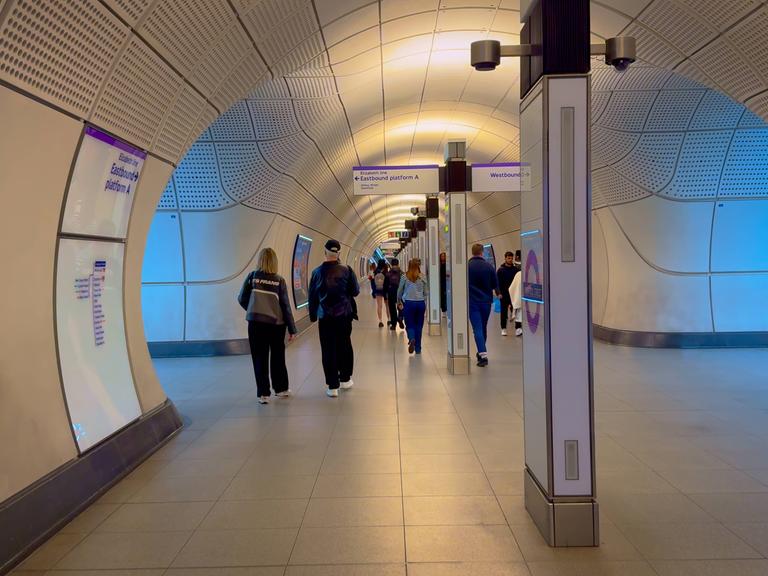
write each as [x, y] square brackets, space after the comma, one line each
[418, 472]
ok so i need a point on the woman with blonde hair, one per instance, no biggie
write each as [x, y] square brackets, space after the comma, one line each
[264, 296]
[411, 296]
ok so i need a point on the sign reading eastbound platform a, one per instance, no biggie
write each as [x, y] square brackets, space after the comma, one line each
[396, 180]
[504, 177]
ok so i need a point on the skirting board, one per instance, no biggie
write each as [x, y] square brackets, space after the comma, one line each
[31, 517]
[681, 339]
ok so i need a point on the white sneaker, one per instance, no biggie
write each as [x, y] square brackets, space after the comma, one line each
[346, 385]
[503, 331]
[332, 392]
[284, 394]
[263, 399]
[519, 332]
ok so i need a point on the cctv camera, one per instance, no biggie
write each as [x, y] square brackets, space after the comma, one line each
[415, 211]
[620, 52]
[486, 55]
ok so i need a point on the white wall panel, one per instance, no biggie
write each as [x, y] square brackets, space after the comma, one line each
[163, 308]
[600, 272]
[646, 300]
[163, 260]
[213, 312]
[671, 235]
[739, 302]
[740, 236]
[205, 233]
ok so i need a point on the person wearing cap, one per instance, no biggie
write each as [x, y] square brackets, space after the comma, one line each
[505, 274]
[392, 285]
[332, 291]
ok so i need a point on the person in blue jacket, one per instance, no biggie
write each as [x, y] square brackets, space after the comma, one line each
[482, 284]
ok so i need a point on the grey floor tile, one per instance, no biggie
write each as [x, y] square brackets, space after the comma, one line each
[605, 568]
[346, 445]
[88, 520]
[452, 510]
[754, 534]
[336, 463]
[104, 551]
[633, 481]
[237, 548]
[366, 432]
[128, 572]
[454, 445]
[446, 484]
[50, 553]
[712, 481]
[687, 541]
[652, 508]
[183, 468]
[269, 487]
[182, 489]
[735, 507]
[468, 569]
[255, 514]
[357, 485]
[461, 544]
[156, 517]
[514, 510]
[229, 571]
[217, 451]
[506, 483]
[348, 570]
[507, 461]
[360, 545]
[430, 463]
[346, 512]
[711, 567]
[614, 546]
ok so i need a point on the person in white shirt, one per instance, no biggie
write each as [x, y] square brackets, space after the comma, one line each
[516, 297]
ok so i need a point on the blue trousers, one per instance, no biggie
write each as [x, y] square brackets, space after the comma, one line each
[413, 314]
[478, 317]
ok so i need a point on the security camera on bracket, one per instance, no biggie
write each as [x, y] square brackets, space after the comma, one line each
[486, 55]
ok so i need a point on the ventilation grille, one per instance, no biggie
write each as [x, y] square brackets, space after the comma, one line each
[168, 199]
[750, 37]
[759, 105]
[234, 124]
[726, 67]
[130, 10]
[197, 180]
[685, 78]
[627, 110]
[677, 25]
[304, 55]
[272, 90]
[220, 60]
[273, 118]
[746, 169]
[639, 77]
[700, 164]
[243, 170]
[604, 78]
[717, 111]
[262, 17]
[284, 38]
[243, 78]
[652, 48]
[608, 147]
[137, 94]
[308, 87]
[720, 13]
[652, 163]
[673, 110]
[207, 116]
[42, 50]
[179, 124]
[314, 112]
[182, 30]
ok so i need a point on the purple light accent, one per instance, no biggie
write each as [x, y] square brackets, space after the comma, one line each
[112, 141]
[500, 165]
[532, 316]
[421, 167]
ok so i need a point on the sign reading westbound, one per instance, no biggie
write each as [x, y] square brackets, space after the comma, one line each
[504, 177]
[395, 180]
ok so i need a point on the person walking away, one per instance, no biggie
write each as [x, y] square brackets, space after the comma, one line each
[391, 288]
[378, 289]
[332, 291]
[516, 298]
[264, 296]
[412, 295]
[504, 275]
[443, 283]
[482, 283]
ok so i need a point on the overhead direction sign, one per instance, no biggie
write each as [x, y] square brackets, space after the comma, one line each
[502, 177]
[396, 180]
[399, 234]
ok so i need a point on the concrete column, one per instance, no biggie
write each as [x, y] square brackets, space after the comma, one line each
[458, 336]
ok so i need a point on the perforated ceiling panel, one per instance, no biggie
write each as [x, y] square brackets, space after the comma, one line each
[179, 124]
[273, 118]
[652, 162]
[137, 95]
[247, 74]
[220, 60]
[700, 164]
[234, 124]
[673, 110]
[627, 110]
[678, 25]
[42, 50]
[197, 180]
[609, 146]
[311, 87]
[244, 172]
[168, 199]
[130, 10]
[725, 66]
[717, 111]
[746, 168]
[609, 187]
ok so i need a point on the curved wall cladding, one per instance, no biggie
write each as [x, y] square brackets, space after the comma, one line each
[683, 211]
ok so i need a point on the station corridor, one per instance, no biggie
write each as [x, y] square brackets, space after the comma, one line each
[417, 472]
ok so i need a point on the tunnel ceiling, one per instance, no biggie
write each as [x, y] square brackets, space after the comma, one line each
[331, 83]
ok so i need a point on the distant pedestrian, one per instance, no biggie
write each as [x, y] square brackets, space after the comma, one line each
[378, 289]
[332, 292]
[443, 283]
[392, 285]
[264, 296]
[482, 283]
[505, 274]
[412, 295]
[516, 299]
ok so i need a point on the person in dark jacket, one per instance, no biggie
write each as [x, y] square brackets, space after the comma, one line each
[392, 284]
[264, 296]
[332, 291]
[482, 283]
[443, 282]
[505, 274]
[379, 290]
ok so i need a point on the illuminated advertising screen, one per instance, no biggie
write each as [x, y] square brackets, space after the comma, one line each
[95, 369]
[103, 185]
[489, 255]
[301, 271]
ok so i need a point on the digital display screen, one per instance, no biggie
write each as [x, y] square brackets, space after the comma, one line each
[95, 369]
[301, 271]
[103, 186]
[489, 255]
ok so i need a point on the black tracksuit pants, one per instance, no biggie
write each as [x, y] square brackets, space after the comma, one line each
[395, 315]
[337, 353]
[506, 305]
[268, 353]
